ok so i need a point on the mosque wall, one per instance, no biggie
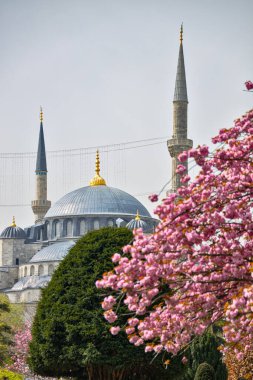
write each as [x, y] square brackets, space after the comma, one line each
[37, 269]
[29, 251]
[25, 296]
[11, 251]
[8, 276]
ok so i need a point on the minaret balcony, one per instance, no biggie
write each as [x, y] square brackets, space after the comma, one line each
[176, 146]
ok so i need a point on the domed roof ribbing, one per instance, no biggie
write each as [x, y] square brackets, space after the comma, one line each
[13, 232]
[53, 252]
[98, 200]
[136, 223]
[31, 282]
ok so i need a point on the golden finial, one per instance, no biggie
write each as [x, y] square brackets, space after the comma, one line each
[41, 114]
[13, 224]
[181, 34]
[97, 164]
[137, 215]
[97, 180]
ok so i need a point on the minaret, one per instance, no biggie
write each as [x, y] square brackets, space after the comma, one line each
[179, 141]
[41, 205]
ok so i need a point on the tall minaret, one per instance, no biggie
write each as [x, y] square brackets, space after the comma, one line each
[41, 205]
[179, 141]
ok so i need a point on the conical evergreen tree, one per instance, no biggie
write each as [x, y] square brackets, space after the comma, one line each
[70, 335]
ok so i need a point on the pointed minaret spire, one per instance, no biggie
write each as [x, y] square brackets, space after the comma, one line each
[179, 141]
[180, 93]
[41, 205]
[41, 164]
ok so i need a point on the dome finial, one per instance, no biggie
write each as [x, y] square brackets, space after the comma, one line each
[97, 163]
[13, 224]
[181, 34]
[41, 114]
[97, 180]
[137, 215]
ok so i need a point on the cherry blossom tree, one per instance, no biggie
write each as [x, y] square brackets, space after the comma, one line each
[197, 268]
[20, 350]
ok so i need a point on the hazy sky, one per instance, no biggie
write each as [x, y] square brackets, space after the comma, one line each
[104, 71]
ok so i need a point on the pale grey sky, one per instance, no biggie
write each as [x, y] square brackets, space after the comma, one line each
[104, 71]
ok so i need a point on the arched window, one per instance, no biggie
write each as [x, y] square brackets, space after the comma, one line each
[32, 270]
[17, 261]
[83, 227]
[50, 269]
[46, 231]
[57, 229]
[69, 228]
[25, 272]
[110, 223]
[96, 224]
[41, 270]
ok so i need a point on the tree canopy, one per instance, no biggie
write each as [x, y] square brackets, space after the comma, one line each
[196, 269]
[5, 329]
[70, 336]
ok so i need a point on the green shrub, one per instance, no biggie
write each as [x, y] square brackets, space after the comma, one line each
[205, 372]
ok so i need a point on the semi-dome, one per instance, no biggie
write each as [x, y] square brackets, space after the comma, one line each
[13, 232]
[96, 200]
[33, 282]
[53, 252]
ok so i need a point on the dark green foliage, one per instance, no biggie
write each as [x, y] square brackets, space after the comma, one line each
[70, 335]
[5, 329]
[205, 372]
[205, 349]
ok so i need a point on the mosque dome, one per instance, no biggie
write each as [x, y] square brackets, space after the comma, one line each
[13, 232]
[53, 252]
[136, 223]
[96, 200]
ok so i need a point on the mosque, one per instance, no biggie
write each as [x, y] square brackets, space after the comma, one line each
[29, 256]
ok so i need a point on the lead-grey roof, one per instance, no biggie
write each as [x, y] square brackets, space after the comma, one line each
[31, 282]
[97, 200]
[12, 232]
[41, 163]
[180, 86]
[134, 224]
[53, 252]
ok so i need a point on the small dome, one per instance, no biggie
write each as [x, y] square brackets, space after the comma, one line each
[136, 223]
[33, 282]
[53, 252]
[13, 232]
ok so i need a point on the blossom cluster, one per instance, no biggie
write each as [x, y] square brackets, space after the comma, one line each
[20, 350]
[197, 267]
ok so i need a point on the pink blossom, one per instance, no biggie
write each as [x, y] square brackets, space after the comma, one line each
[180, 169]
[153, 197]
[116, 257]
[249, 85]
[184, 360]
[115, 330]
